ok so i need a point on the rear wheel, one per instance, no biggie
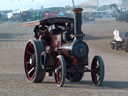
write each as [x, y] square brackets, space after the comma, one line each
[60, 70]
[32, 65]
[97, 70]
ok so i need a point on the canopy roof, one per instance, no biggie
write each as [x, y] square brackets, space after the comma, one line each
[57, 20]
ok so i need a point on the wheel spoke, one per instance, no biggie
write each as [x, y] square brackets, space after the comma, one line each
[95, 80]
[31, 46]
[96, 70]
[59, 67]
[31, 70]
[28, 62]
[56, 70]
[29, 53]
[59, 79]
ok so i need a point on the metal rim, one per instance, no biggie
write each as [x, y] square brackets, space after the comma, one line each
[58, 72]
[30, 61]
[95, 71]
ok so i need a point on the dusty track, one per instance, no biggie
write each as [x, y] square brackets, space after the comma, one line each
[13, 38]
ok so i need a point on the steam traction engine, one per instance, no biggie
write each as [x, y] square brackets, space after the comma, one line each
[66, 60]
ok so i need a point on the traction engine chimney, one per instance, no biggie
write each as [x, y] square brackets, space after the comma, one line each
[77, 23]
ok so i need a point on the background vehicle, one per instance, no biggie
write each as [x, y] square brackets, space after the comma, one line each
[120, 15]
[120, 40]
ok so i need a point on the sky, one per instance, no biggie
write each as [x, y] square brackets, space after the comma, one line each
[16, 4]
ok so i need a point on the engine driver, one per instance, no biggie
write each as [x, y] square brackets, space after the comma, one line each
[57, 30]
[70, 33]
[42, 33]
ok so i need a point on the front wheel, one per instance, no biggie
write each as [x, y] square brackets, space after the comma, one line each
[97, 70]
[60, 70]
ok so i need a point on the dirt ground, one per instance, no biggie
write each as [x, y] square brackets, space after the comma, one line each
[13, 37]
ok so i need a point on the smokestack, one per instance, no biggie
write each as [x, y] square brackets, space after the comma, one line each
[78, 23]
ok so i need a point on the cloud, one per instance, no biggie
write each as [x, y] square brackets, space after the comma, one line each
[101, 2]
